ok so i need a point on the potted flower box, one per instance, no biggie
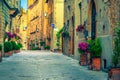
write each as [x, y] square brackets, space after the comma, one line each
[83, 50]
[95, 50]
[114, 71]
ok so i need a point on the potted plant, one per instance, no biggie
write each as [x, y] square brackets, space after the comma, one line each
[83, 50]
[95, 50]
[7, 49]
[0, 52]
[65, 34]
[13, 45]
[114, 71]
[17, 48]
[47, 47]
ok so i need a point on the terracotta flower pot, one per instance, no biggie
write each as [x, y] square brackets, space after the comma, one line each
[16, 51]
[10, 53]
[114, 74]
[96, 64]
[83, 60]
[6, 54]
[90, 67]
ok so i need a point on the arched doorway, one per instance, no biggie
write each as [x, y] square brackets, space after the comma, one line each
[93, 20]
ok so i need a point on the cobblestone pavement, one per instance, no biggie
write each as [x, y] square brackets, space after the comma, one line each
[45, 65]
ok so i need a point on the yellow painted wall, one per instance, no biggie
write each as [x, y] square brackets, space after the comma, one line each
[58, 20]
[23, 29]
[34, 22]
[48, 10]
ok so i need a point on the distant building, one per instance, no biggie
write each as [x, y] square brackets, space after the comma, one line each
[35, 28]
[48, 20]
[23, 29]
[40, 18]
[58, 21]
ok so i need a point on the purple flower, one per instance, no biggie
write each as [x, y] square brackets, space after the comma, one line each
[79, 28]
[10, 35]
[83, 47]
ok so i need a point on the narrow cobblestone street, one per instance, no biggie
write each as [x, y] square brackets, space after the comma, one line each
[45, 65]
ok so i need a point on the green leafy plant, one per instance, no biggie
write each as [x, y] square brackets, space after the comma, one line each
[116, 50]
[13, 44]
[0, 47]
[58, 35]
[8, 46]
[17, 47]
[20, 45]
[94, 48]
[34, 49]
[65, 34]
[42, 43]
[47, 47]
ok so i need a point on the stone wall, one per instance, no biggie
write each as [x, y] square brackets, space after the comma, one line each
[81, 17]
[106, 58]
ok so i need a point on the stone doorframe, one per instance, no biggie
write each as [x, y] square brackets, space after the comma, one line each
[90, 16]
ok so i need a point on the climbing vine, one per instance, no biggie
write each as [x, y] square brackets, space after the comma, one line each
[58, 35]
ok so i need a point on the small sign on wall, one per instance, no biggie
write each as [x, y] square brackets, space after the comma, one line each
[53, 25]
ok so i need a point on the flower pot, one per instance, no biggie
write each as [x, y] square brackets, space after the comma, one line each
[16, 51]
[114, 74]
[96, 64]
[83, 60]
[90, 67]
[6, 54]
[10, 53]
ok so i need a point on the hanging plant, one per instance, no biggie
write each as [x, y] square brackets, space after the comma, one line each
[79, 28]
[65, 34]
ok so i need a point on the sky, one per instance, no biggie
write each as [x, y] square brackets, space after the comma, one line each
[24, 4]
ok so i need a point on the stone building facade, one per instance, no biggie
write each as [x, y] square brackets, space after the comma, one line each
[99, 19]
[35, 28]
[48, 20]
[8, 11]
[69, 17]
[40, 18]
[23, 29]
[58, 18]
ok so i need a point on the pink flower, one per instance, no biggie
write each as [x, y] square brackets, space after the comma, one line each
[79, 28]
[83, 47]
[10, 35]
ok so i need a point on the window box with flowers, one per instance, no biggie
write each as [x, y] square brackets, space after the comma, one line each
[83, 50]
[79, 30]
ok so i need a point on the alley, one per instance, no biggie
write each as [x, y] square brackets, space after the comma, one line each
[45, 65]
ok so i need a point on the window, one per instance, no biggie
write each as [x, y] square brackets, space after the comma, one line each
[24, 28]
[93, 19]
[46, 1]
[80, 7]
